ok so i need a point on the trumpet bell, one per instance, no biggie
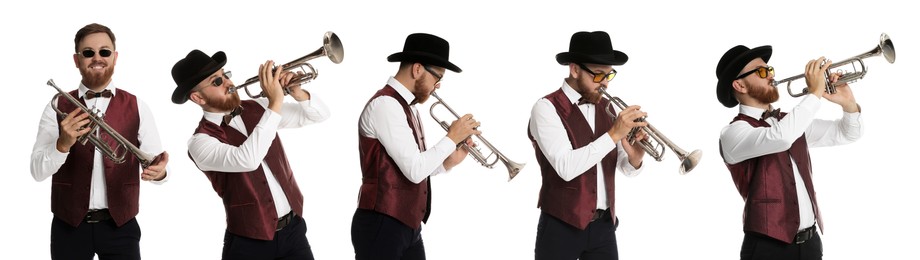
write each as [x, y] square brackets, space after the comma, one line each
[332, 47]
[689, 162]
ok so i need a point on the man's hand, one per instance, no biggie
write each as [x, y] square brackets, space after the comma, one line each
[72, 127]
[156, 171]
[270, 81]
[626, 121]
[462, 128]
[815, 76]
[458, 155]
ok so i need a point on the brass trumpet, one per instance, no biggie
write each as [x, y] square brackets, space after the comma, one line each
[656, 150]
[116, 154]
[513, 167]
[885, 48]
[332, 48]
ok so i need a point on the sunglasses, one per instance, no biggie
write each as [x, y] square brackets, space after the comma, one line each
[435, 74]
[762, 71]
[597, 76]
[105, 53]
[219, 81]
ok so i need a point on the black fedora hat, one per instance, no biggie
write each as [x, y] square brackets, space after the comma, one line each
[195, 67]
[426, 49]
[591, 47]
[731, 64]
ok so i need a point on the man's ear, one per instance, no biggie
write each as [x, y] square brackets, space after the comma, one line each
[573, 70]
[417, 70]
[197, 97]
[739, 86]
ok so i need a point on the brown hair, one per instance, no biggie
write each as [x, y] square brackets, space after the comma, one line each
[91, 29]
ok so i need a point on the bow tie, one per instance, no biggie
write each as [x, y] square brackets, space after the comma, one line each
[232, 114]
[582, 101]
[92, 94]
[770, 113]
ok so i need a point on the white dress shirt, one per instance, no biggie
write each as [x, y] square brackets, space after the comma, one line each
[383, 119]
[547, 129]
[741, 141]
[211, 154]
[46, 159]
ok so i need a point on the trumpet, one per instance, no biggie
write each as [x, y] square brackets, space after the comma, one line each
[116, 154]
[513, 167]
[654, 149]
[885, 48]
[332, 48]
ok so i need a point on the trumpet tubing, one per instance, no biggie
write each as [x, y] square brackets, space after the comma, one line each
[885, 48]
[116, 154]
[475, 152]
[655, 149]
[332, 48]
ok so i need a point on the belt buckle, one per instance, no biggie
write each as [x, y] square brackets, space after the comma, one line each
[89, 218]
[598, 214]
[803, 236]
[284, 221]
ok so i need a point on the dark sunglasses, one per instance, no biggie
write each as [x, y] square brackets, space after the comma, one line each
[761, 71]
[219, 81]
[436, 75]
[597, 76]
[105, 53]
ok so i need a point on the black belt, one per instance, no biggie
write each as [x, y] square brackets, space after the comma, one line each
[600, 213]
[805, 235]
[285, 220]
[96, 216]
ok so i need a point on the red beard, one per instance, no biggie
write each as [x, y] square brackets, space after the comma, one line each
[422, 93]
[96, 80]
[228, 104]
[765, 95]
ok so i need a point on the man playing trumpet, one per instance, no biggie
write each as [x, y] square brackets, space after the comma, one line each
[94, 199]
[395, 195]
[767, 151]
[237, 146]
[579, 147]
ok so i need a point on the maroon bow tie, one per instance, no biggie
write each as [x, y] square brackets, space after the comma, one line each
[582, 101]
[92, 94]
[770, 113]
[232, 114]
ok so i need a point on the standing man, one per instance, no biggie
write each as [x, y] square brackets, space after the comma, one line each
[237, 146]
[395, 194]
[95, 200]
[767, 151]
[579, 147]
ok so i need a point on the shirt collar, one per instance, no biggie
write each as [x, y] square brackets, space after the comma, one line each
[216, 118]
[83, 89]
[750, 111]
[570, 93]
[402, 90]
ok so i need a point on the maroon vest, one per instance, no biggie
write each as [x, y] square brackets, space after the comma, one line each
[70, 185]
[384, 188]
[767, 185]
[575, 201]
[247, 199]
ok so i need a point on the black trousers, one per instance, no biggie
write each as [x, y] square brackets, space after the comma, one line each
[557, 240]
[102, 238]
[289, 243]
[378, 236]
[757, 246]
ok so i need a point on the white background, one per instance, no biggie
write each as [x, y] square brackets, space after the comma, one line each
[507, 50]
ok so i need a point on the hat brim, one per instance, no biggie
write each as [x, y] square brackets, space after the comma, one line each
[724, 86]
[424, 58]
[180, 94]
[615, 58]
